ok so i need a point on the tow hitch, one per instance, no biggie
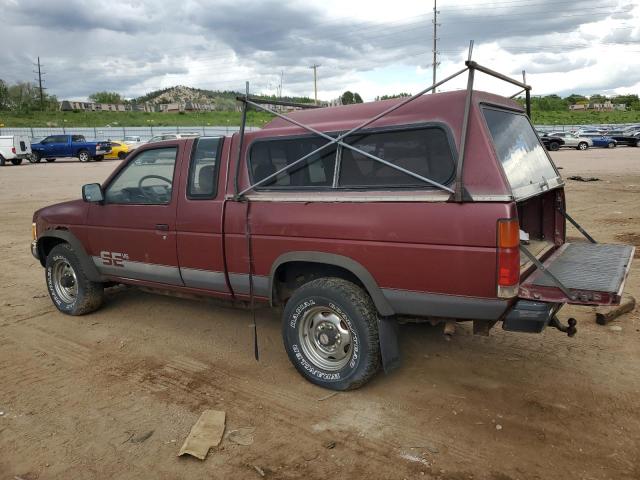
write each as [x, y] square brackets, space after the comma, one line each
[569, 329]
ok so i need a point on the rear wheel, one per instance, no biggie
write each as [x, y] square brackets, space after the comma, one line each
[2, 161]
[16, 161]
[554, 146]
[99, 158]
[583, 146]
[70, 289]
[35, 157]
[122, 155]
[330, 332]
[83, 156]
[51, 160]
[611, 145]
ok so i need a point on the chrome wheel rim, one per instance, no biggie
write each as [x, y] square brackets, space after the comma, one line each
[65, 282]
[84, 157]
[325, 338]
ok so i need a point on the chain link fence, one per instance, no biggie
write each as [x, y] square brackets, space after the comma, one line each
[118, 133]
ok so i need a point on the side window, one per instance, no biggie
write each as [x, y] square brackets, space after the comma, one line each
[203, 170]
[425, 151]
[268, 157]
[147, 180]
[77, 138]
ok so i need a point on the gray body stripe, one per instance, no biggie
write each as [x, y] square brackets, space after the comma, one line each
[141, 271]
[422, 304]
[206, 279]
[240, 284]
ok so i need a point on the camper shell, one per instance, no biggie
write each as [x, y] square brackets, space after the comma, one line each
[14, 149]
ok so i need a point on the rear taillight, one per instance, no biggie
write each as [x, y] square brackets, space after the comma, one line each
[508, 258]
[13, 149]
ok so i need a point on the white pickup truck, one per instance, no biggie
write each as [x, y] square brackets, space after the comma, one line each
[14, 148]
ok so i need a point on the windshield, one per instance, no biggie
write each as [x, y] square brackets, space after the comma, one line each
[523, 157]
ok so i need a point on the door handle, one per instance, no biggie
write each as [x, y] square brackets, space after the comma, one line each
[162, 226]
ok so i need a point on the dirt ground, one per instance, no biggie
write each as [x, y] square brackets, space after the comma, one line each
[78, 395]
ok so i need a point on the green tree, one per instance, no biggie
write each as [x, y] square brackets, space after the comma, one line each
[575, 98]
[357, 98]
[347, 98]
[4, 95]
[394, 95]
[106, 97]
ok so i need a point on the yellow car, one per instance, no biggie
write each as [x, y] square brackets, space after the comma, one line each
[118, 150]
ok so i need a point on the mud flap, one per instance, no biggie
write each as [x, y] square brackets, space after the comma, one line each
[389, 349]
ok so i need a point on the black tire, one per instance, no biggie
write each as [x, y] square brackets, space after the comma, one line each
[122, 155]
[16, 161]
[98, 158]
[314, 306]
[583, 146]
[83, 156]
[611, 145]
[35, 157]
[554, 146]
[2, 161]
[51, 160]
[637, 143]
[88, 295]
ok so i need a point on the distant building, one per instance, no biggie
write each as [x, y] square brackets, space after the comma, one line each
[606, 106]
[71, 105]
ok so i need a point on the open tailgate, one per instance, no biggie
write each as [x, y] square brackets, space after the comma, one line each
[588, 273]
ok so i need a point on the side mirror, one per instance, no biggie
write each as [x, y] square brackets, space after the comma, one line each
[92, 192]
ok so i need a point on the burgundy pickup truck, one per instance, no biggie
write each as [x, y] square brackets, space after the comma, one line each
[350, 239]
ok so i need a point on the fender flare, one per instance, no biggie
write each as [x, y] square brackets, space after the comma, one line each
[381, 303]
[85, 260]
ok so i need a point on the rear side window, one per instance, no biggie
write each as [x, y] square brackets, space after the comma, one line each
[203, 170]
[523, 158]
[77, 138]
[425, 151]
[268, 157]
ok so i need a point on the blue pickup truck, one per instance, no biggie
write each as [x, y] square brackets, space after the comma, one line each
[57, 146]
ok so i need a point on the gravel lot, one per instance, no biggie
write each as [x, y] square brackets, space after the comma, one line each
[78, 393]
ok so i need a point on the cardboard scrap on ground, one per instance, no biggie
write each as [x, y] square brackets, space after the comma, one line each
[206, 433]
[242, 436]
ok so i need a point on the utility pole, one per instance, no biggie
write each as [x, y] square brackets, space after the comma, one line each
[315, 81]
[435, 41]
[39, 72]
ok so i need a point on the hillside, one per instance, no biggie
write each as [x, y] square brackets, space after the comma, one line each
[225, 100]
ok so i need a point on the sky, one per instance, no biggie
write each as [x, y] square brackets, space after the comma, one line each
[370, 47]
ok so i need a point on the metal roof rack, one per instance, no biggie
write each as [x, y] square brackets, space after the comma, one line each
[457, 193]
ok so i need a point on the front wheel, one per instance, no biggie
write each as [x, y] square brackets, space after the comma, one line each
[583, 146]
[554, 146]
[330, 333]
[611, 145]
[69, 288]
[84, 156]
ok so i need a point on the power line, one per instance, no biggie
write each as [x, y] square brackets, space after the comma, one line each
[39, 80]
[315, 81]
[435, 42]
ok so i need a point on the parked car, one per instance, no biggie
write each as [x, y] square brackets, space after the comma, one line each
[118, 150]
[630, 138]
[573, 140]
[550, 142]
[14, 148]
[172, 136]
[601, 140]
[590, 132]
[132, 141]
[57, 146]
[345, 241]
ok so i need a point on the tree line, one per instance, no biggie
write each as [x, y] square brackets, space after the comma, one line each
[24, 97]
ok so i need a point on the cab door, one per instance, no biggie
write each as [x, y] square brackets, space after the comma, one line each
[199, 225]
[132, 234]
